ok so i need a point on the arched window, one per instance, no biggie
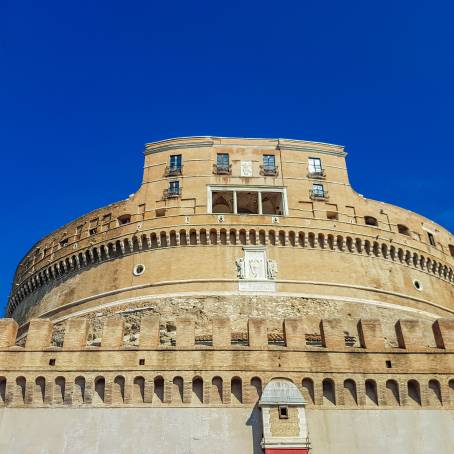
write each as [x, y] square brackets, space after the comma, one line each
[237, 390]
[350, 395]
[197, 390]
[232, 236]
[100, 387]
[403, 229]
[255, 390]
[329, 393]
[138, 390]
[118, 391]
[173, 238]
[59, 392]
[40, 390]
[177, 390]
[370, 220]
[159, 389]
[392, 393]
[216, 391]
[308, 390]
[183, 238]
[2, 390]
[20, 389]
[79, 390]
[252, 237]
[414, 393]
[371, 393]
[434, 392]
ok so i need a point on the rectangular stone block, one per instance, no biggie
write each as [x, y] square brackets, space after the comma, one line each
[8, 332]
[222, 332]
[443, 329]
[39, 334]
[257, 333]
[371, 334]
[295, 333]
[112, 333]
[149, 332]
[332, 333]
[75, 333]
[185, 332]
[409, 334]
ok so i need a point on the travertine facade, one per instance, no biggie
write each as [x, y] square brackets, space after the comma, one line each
[236, 263]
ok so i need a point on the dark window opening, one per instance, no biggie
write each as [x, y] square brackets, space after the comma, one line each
[283, 412]
[272, 203]
[332, 215]
[124, 219]
[64, 242]
[370, 220]
[431, 239]
[93, 231]
[403, 229]
[451, 249]
[142, 362]
[388, 364]
[222, 202]
[52, 362]
[247, 202]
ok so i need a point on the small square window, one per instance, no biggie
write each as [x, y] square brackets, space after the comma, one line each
[332, 215]
[64, 242]
[388, 364]
[142, 362]
[52, 362]
[94, 231]
[283, 412]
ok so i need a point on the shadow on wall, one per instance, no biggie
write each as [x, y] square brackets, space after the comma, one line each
[255, 423]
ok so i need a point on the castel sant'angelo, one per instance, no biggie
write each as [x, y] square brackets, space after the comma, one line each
[244, 300]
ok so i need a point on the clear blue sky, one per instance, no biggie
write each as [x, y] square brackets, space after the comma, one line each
[83, 85]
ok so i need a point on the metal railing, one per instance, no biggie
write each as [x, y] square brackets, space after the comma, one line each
[172, 171]
[318, 195]
[222, 169]
[269, 171]
[318, 174]
[172, 193]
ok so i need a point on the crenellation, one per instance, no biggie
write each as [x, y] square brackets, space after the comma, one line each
[39, 334]
[113, 333]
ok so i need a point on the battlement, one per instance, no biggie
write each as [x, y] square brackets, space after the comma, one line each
[297, 335]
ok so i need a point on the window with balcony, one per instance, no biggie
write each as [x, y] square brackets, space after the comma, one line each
[222, 166]
[315, 168]
[318, 192]
[173, 190]
[269, 165]
[175, 165]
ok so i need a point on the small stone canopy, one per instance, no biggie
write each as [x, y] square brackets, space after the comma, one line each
[281, 391]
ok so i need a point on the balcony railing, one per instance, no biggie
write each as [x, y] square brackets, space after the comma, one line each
[172, 171]
[318, 195]
[318, 174]
[269, 171]
[222, 169]
[172, 193]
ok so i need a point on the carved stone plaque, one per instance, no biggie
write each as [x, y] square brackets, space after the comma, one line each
[246, 168]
